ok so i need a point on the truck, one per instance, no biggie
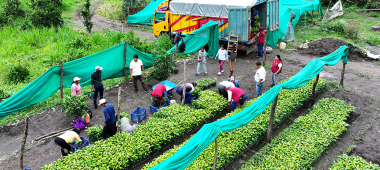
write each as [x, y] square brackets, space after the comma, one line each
[233, 17]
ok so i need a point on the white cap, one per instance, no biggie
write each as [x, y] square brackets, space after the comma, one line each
[232, 78]
[102, 101]
[98, 68]
[76, 79]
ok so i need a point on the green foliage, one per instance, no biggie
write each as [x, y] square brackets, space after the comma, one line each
[46, 13]
[75, 106]
[124, 115]
[95, 132]
[299, 145]
[372, 40]
[374, 14]
[167, 124]
[206, 83]
[131, 7]
[196, 91]
[210, 101]
[157, 103]
[352, 162]
[12, 8]
[232, 143]
[162, 67]
[352, 29]
[87, 15]
[18, 74]
[333, 26]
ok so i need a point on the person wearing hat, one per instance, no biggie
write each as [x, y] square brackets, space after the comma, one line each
[189, 89]
[66, 138]
[222, 56]
[260, 42]
[233, 80]
[75, 87]
[110, 120]
[222, 88]
[96, 83]
[237, 95]
[135, 71]
[160, 91]
[260, 78]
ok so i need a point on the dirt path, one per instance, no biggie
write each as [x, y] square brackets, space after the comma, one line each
[100, 24]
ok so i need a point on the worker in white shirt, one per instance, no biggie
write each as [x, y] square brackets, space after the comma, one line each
[260, 78]
[222, 88]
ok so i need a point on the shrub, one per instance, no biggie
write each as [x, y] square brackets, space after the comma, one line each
[352, 30]
[335, 26]
[75, 106]
[374, 14]
[87, 15]
[18, 74]
[373, 40]
[162, 68]
[130, 7]
[95, 132]
[46, 13]
[12, 8]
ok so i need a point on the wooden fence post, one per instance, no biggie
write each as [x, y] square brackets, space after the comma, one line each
[271, 118]
[23, 143]
[265, 47]
[184, 82]
[118, 110]
[342, 76]
[313, 92]
[175, 52]
[61, 75]
[216, 153]
[305, 19]
[125, 61]
[312, 17]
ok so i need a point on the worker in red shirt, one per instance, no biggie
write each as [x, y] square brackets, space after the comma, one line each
[260, 42]
[158, 92]
[236, 95]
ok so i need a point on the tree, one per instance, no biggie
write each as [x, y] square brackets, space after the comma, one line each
[46, 13]
[86, 14]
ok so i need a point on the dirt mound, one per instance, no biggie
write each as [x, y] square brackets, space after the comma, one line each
[326, 46]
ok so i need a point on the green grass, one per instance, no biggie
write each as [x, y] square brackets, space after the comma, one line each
[111, 10]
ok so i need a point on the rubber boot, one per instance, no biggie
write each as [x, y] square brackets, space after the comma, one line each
[95, 105]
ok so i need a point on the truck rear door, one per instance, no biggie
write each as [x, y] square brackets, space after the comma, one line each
[238, 23]
[274, 15]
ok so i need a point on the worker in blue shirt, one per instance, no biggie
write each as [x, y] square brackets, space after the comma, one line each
[254, 13]
[236, 83]
[110, 120]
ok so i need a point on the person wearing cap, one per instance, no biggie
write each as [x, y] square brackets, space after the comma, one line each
[237, 95]
[202, 60]
[260, 42]
[75, 87]
[233, 80]
[160, 91]
[222, 88]
[260, 78]
[66, 138]
[189, 89]
[222, 56]
[110, 120]
[135, 68]
[96, 83]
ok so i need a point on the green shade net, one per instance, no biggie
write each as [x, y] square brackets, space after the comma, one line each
[112, 61]
[194, 147]
[207, 34]
[299, 7]
[144, 16]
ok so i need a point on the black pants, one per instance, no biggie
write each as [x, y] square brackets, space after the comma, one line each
[65, 147]
[109, 130]
[99, 90]
[135, 78]
[222, 91]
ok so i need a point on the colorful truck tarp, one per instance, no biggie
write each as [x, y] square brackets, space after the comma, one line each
[145, 16]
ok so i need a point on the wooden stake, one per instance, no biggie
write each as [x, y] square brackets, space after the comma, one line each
[305, 19]
[312, 17]
[61, 74]
[175, 52]
[118, 110]
[265, 48]
[23, 143]
[342, 76]
[184, 82]
[271, 118]
[313, 93]
[216, 153]
[125, 61]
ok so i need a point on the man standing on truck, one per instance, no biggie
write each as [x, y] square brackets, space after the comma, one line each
[260, 42]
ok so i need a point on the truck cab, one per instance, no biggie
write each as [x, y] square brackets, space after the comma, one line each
[160, 23]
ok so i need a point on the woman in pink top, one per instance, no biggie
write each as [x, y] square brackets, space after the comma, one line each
[75, 87]
[276, 69]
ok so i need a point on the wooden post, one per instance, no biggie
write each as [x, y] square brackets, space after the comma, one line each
[312, 17]
[271, 118]
[184, 82]
[23, 143]
[118, 110]
[342, 76]
[305, 19]
[313, 93]
[216, 153]
[265, 47]
[125, 61]
[175, 52]
[61, 74]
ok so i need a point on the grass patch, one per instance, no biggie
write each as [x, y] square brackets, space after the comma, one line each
[111, 10]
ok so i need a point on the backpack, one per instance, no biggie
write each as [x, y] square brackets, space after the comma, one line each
[79, 123]
[182, 47]
[86, 118]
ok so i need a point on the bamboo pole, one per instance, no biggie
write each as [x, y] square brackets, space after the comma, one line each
[216, 153]
[265, 47]
[342, 75]
[184, 82]
[271, 118]
[23, 143]
[118, 110]
[313, 93]
[125, 61]
[61, 75]
[58, 131]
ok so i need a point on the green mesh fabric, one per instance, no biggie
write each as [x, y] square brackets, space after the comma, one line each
[143, 17]
[299, 7]
[194, 147]
[112, 61]
[207, 34]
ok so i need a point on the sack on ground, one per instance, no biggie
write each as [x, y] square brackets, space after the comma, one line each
[79, 123]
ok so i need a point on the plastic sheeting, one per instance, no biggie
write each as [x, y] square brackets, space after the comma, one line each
[299, 7]
[289, 35]
[194, 147]
[144, 16]
[207, 34]
[112, 61]
[335, 11]
[209, 8]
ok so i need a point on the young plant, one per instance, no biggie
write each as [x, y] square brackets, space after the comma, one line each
[352, 162]
[87, 15]
[95, 132]
[124, 115]
[75, 106]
